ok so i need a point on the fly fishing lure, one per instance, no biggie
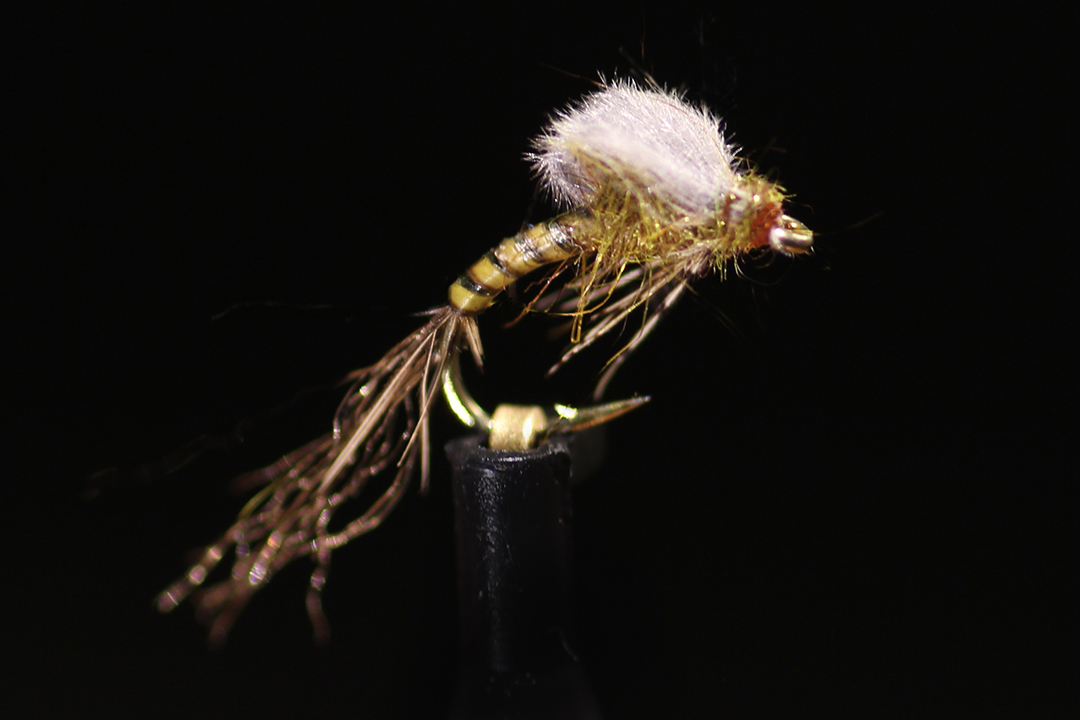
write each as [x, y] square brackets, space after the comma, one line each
[652, 198]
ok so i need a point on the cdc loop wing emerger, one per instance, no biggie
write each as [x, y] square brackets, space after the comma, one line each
[652, 197]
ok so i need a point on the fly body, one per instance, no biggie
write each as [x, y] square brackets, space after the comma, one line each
[652, 197]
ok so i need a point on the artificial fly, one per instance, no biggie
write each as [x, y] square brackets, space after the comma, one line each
[652, 198]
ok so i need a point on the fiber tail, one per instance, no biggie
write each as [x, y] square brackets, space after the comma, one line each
[382, 425]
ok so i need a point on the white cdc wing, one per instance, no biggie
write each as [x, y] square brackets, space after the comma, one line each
[649, 139]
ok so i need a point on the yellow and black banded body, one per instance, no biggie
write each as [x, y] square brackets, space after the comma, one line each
[542, 244]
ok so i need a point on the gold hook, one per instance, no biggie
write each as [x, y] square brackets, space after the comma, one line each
[522, 427]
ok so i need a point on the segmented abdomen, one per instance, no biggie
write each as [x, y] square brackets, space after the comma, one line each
[548, 242]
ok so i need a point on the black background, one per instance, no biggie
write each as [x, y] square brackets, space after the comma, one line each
[856, 502]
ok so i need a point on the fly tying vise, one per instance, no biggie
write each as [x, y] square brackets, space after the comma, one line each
[652, 199]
